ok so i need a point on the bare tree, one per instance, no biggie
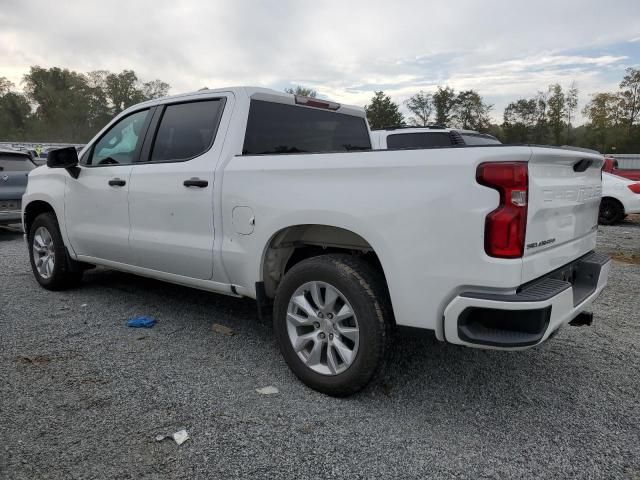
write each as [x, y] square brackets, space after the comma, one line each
[630, 96]
[556, 104]
[421, 105]
[570, 106]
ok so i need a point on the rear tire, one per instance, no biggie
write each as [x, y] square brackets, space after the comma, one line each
[49, 261]
[611, 211]
[348, 322]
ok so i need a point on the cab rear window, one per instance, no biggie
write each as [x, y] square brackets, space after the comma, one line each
[277, 128]
[15, 163]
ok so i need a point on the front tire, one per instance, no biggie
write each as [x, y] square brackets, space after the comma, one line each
[611, 211]
[48, 256]
[331, 319]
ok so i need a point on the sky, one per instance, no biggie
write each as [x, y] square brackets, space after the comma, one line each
[345, 49]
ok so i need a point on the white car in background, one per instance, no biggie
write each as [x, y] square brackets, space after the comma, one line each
[620, 197]
[394, 138]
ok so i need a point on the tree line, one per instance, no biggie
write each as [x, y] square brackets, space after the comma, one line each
[60, 105]
[612, 118]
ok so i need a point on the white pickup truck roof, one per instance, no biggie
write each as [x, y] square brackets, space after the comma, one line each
[260, 93]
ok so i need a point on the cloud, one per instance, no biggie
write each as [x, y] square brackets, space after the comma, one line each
[345, 50]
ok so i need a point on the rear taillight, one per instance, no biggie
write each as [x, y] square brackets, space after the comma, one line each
[506, 226]
[634, 187]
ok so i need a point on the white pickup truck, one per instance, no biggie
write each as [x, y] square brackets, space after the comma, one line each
[251, 192]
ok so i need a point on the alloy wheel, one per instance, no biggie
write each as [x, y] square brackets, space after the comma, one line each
[323, 328]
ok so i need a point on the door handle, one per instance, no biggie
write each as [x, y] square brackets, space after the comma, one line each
[195, 182]
[117, 182]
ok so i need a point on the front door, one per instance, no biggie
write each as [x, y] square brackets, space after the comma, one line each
[96, 203]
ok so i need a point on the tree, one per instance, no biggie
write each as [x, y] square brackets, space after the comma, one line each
[14, 115]
[71, 106]
[520, 119]
[62, 99]
[421, 105]
[541, 129]
[99, 111]
[630, 96]
[470, 112]
[382, 112]
[122, 90]
[5, 86]
[302, 91]
[14, 112]
[444, 101]
[155, 89]
[557, 104]
[602, 113]
[570, 106]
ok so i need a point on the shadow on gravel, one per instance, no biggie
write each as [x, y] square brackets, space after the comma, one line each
[418, 364]
[632, 221]
[9, 233]
[165, 294]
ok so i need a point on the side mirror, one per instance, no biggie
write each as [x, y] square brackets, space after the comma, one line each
[62, 158]
[66, 158]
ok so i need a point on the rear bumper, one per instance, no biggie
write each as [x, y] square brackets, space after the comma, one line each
[632, 204]
[531, 314]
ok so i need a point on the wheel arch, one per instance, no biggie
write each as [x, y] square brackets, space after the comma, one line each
[614, 199]
[618, 203]
[292, 244]
[35, 208]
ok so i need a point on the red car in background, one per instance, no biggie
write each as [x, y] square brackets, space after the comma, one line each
[611, 166]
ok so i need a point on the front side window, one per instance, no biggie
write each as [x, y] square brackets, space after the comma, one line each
[15, 163]
[186, 130]
[419, 140]
[119, 145]
[274, 128]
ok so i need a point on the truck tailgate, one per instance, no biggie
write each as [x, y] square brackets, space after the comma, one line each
[562, 218]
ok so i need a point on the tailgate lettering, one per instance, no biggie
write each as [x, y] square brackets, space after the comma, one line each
[541, 243]
[579, 194]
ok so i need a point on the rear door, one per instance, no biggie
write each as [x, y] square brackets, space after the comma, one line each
[564, 198]
[14, 171]
[171, 201]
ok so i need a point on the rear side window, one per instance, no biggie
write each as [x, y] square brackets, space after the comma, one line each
[186, 130]
[275, 128]
[471, 139]
[15, 163]
[419, 140]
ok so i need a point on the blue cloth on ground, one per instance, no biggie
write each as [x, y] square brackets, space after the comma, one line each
[141, 322]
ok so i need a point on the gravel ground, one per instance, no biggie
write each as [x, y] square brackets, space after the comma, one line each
[83, 396]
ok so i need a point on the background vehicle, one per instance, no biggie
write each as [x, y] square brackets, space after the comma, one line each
[620, 197]
[14, 168]
[424, 137]
[252, 192]
[611, 165]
